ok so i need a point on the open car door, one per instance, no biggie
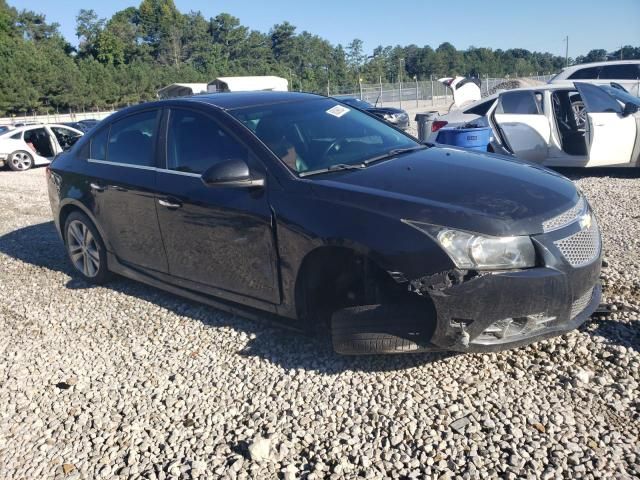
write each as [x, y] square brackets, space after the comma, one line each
[609, 134]
[522, 125]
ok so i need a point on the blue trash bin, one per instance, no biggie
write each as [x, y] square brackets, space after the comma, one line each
[467, 136]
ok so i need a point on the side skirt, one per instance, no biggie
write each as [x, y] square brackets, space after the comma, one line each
[230, 307]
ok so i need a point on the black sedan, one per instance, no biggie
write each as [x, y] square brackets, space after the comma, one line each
[395, 116]
[295, 207]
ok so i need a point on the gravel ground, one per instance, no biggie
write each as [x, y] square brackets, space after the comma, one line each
[127, 381]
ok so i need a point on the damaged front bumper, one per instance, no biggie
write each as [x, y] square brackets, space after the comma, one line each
[492, 311]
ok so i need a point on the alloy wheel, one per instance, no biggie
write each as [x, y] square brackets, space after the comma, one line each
[21, 161]
[83, 249]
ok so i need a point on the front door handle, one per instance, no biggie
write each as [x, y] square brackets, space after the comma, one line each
[96, 187]
[169, 204]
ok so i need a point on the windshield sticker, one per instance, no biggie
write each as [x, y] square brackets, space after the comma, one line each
[338, 111]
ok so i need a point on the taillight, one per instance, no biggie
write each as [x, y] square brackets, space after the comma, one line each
[437, 125]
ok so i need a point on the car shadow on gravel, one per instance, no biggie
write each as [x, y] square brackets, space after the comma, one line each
[618, 332]
[39, 245]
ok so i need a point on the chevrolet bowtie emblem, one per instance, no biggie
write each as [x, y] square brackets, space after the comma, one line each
[585, 221]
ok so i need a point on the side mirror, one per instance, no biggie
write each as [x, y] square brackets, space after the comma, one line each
[629, 109]
[231, 173]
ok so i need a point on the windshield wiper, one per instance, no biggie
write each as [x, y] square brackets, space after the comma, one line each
[334, 168]
[392, 153]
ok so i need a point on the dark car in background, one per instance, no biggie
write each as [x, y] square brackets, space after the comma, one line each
[83, 125]
[395, 116]
[294, 207]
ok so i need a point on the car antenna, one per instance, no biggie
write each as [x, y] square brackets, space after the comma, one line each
[377, 100]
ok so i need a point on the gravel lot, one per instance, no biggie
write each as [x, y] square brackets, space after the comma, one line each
[128, 381]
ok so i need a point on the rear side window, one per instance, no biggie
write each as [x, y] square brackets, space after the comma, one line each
[589, 73]
[518, 103]
[195, 142]
[17, 136]
[619, 72]
[98, 149]
[132, 139]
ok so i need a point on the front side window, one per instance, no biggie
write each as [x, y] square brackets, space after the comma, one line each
[66, 138]
[597, 100]
[132, 139]
[195, 142]
[519, 103]
[320, 133]
[620, 72]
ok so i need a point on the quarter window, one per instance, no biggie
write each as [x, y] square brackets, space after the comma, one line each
[195, 142]
[132, 139]
[98, 149]
[620, 72]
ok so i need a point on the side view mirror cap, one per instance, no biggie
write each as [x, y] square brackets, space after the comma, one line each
[231, 173]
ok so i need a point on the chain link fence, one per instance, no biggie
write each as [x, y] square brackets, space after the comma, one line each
[421, 90]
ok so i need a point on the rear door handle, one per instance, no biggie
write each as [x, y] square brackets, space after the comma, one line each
[169, 204]
[96, 187]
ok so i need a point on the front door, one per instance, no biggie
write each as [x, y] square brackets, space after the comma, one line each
[610, 135]
[522, 125]
[221, 237]
[124, 178]
[65, 138]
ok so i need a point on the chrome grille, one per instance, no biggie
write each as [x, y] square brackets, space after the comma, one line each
[581, 303]
[565, 218]
[582, 247]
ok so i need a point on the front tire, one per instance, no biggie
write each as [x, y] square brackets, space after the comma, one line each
[85, 248]
[382, 329]
[20, 161]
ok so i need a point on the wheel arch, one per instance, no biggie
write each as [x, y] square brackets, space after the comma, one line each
[331, 277]
[70, 205]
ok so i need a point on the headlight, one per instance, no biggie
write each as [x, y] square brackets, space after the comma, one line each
[481, 252]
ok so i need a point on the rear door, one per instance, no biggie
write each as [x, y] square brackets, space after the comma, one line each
[218, 237]
[610, 135]
[122, 183]
[522, 124]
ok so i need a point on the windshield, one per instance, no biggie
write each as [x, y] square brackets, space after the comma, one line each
[621, 95]
[321, 134]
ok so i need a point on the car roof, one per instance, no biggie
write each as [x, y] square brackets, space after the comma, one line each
[580, 66]
[235, 100]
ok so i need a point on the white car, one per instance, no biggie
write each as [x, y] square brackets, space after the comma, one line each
[622, 72]
[34, 145]
[541, 125]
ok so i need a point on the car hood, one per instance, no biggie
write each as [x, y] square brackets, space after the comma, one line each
[448, 186]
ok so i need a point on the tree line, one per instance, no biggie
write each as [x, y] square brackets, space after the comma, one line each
[126, 58]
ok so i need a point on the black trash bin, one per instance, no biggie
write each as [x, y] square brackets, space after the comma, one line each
[424, 121]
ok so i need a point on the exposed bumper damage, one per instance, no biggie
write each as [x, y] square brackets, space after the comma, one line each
[492, 311]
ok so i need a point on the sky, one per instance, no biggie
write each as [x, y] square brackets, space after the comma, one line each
[538, 25]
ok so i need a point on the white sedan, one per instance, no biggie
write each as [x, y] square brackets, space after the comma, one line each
[542, 125]
[34, 145]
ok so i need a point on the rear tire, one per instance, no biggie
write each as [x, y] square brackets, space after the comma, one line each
[377, 329]
[20, 161]
[85, 248]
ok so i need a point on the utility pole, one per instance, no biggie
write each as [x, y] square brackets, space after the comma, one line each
[400, 78]
[566, 52]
